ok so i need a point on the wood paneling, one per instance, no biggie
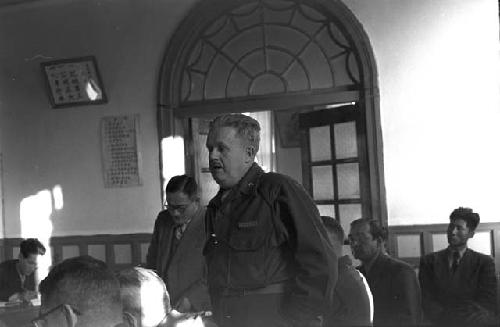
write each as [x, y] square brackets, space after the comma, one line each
[118, 251]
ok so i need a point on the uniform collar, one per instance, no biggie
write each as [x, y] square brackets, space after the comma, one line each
[246, 185]
[460, 252]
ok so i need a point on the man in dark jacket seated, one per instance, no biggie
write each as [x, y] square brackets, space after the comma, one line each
[17, 276]
[458, 284]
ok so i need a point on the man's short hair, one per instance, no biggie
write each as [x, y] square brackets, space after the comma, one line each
[246, 127]
[31, 246]
[333, 226]
[470, 217]
[87, 284]
[376, 228]
[135, 283]
[184, 183]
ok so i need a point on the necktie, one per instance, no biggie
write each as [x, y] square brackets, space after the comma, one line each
[178, 232]
[454, 263]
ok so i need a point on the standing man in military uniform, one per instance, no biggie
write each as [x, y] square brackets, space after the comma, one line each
[269, 261]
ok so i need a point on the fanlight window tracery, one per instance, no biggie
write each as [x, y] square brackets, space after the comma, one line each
[269, 47]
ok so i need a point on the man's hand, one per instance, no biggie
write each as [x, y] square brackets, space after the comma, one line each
[184, 305]
[24, 296]
[16, 297]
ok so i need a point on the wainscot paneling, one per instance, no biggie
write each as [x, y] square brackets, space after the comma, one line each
[118, 251]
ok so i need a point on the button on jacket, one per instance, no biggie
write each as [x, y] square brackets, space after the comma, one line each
[267, 231]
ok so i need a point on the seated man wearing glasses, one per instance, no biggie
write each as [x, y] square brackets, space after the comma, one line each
[175, 251]
[17, 276]
[80, 291]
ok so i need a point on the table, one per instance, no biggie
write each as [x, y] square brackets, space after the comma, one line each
[18, 316]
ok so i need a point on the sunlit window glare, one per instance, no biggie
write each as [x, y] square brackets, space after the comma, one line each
[93, 90]
[266, 157]
[172, 154]
[58, 197]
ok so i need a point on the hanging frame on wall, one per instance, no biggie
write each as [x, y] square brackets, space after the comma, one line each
[74, 82]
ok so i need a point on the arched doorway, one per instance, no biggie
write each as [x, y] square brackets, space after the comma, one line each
[285, 56]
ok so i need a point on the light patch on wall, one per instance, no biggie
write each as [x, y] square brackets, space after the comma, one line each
[172, 153]
[440, 123]
[35, 215]
[58, 197]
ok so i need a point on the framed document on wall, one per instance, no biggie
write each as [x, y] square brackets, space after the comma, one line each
[74, 82]
[121, 158]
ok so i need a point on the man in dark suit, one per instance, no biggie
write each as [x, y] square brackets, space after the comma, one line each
[176, 246]
[459, 284]
[394, 284]
[17, 276]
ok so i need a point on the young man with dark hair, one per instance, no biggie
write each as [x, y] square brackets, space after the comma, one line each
[268, 256]
[394, 284]
[352, 298]
[175, 251]
[17, 276]
[80, 291]
[459, 284]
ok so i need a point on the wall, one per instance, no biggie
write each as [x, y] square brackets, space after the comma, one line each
[438, 64]
[44, 147]
[438, 76]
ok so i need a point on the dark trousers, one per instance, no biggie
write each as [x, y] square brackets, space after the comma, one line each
[257, 310]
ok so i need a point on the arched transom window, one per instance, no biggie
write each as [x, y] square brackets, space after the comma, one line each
[269, 47]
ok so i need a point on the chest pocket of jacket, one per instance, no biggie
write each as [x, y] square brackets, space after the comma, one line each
[248, 236]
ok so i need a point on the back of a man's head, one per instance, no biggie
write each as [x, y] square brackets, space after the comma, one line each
[87, 285]
[144, 296]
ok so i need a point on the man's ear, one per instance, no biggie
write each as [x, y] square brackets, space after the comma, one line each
[129, 320]
[71, 316]
[250, 151]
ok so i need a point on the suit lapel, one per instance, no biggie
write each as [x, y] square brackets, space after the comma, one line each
[188, 237]
[166, 244]
[375, 271]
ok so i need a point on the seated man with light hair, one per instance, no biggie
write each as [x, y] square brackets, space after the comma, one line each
[145, 299]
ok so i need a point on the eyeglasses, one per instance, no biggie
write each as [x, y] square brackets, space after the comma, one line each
[67, 311]
[179, 208]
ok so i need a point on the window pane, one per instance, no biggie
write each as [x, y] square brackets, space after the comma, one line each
[408, 246]
[326, 210]
[322, 182]
[345, 140]
[348, 213]
[439, 241]
[481, 242]
[320, 143]
[348, 181]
